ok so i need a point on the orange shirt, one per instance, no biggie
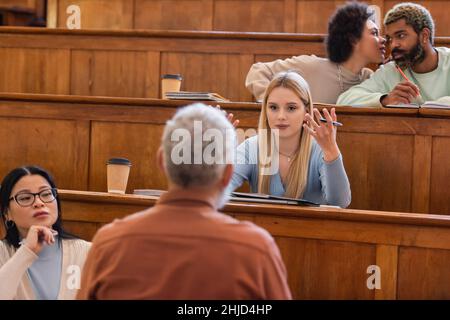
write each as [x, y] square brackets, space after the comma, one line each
[182, 248]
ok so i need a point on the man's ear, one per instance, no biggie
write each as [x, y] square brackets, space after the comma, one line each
[425, 35]
[160, 159]
[227, 175]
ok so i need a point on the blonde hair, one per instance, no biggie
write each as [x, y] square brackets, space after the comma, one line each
[298, 169]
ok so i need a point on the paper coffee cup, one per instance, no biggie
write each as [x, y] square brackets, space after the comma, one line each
[118, 170]
[170, 83]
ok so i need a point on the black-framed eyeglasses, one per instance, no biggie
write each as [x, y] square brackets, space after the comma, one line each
[27, 199]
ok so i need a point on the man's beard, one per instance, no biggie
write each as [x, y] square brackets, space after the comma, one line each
[409, 59]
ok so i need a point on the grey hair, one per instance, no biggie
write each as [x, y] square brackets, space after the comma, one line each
[182, 138]
[414, 14]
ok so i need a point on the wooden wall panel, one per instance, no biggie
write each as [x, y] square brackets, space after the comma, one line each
[83, 230]
[35, 70]
[422, 173]
[103, 64]
[129, 64]
[317, 22]
[109, 73]
[382, 148]
[249, 15]
[302, 16]
[372, 156]
[440, 176]
[438, 9]
[173, 14]
[59, 146]
[327, 267]
[30, 4]
[326, 251]
[210, 72]
[387, 261]
[99, 14]
[137, 142]
[423, 272]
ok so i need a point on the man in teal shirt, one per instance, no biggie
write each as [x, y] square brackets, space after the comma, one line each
[425, 69]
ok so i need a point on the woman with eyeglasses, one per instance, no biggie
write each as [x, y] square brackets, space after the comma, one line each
[38, 259]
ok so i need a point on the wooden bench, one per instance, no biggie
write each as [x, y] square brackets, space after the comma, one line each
[230, 15]
[396, 160]
[329, 253]
[130, 63]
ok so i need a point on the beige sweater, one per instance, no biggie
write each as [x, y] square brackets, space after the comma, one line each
[324, 78]
[14, 280]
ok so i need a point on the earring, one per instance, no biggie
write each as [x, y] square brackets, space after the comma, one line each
[9, 224]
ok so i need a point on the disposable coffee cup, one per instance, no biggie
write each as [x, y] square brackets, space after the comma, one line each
[118, 170]
[170, 83]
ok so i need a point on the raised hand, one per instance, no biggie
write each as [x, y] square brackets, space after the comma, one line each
[229, 117]
[324, 133]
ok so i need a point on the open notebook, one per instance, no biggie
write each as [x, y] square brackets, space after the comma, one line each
[427, 104]
[264, 198]
[241, 197]
[189, 95]
[148, 192]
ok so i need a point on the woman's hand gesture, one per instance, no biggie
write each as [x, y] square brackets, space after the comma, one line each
[324, 133]
[38, 236]
[230, 116]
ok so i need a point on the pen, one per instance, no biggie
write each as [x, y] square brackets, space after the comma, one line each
[335, 123]
[404, 75]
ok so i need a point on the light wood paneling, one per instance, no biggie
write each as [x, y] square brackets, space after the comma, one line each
[423, 272]
[210, 72]
[59, 146]
[130, 64]
[86, 229]
[318, 22]
[262, 16]
[174, 14]
[421, 175]
[372, 156]
[30, 4]
[109, 73]
[35, 70]
[329, 269]
[438, 9]
[439, 192]
[303, 16]
[386, 151]
[137, 142]
[387, 261]
[99, 14]
[326, 251]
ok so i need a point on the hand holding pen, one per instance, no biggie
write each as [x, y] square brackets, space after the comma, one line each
[325, 134]
[403, 93]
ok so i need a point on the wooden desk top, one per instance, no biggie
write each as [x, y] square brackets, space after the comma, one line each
[144, 102]
[325, 213]
[184, 34]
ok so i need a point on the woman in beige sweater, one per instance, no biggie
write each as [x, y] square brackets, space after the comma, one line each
[38, 259]
[353, 42]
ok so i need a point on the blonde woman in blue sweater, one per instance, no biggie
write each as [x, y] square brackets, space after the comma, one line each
[305, 160]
